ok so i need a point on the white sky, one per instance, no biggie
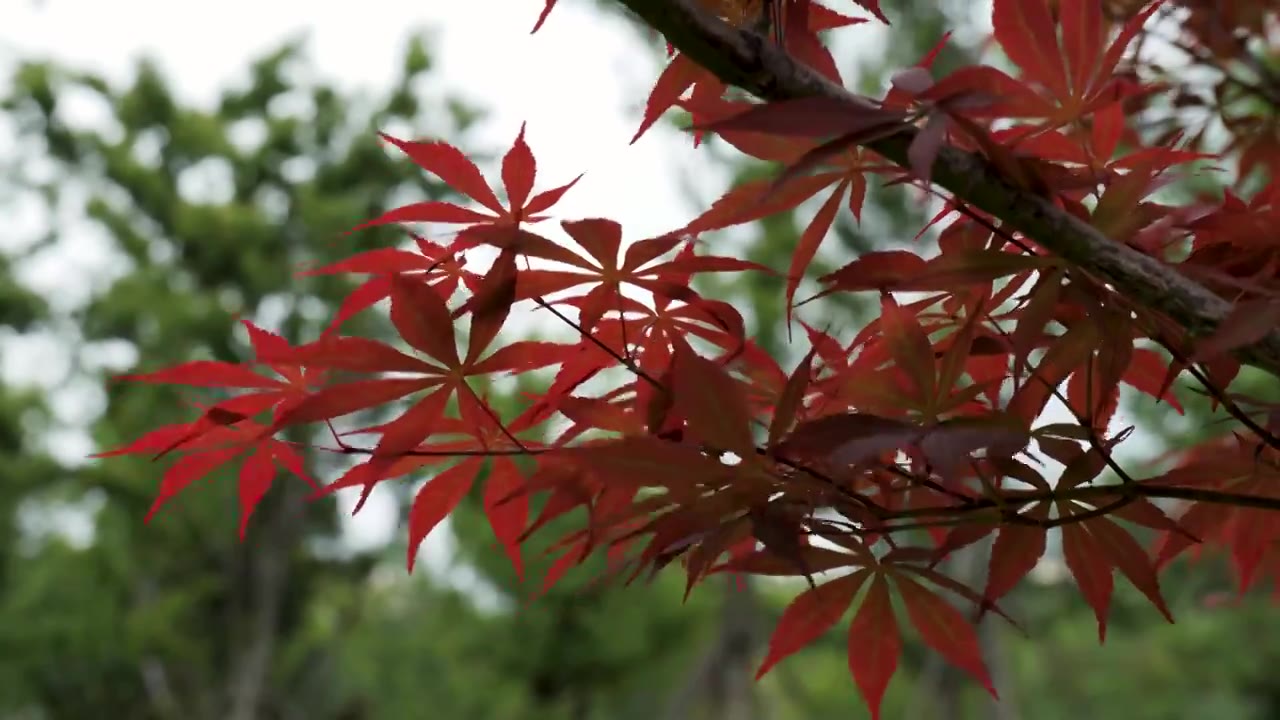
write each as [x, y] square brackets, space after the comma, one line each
[577, 83]
[581, 65]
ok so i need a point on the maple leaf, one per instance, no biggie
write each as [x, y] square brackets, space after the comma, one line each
[706, 111]
[542, 17]
[1092, 547]
[680, 75]
[791, 398]
[424, 321]
[433, 502]
[640, 266]
[435, 265]
[279, 394]
[649, 462]
[1073, 79]
[445, 161]
[712, 404]
[905, 271]
[944, 629]
[206, 450]
[482, 439]
[810, 615]
[1247, 534]
[874, 644]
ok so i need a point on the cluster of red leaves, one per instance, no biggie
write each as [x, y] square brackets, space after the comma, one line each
[870, 461]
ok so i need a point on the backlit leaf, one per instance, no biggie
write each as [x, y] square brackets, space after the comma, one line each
[423, 320]
[207, 373]
[874, 644]
[255, 479]
[792, 398]
[518, 171]
[1015, 552]
[944, 629]
[811, 614]
[507, 508]
[1088, 563]
[433, 503]
[713, 403]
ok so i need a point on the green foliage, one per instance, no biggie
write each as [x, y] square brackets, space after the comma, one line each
[172, 619]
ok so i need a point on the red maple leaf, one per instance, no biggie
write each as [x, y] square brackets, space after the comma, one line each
[519, 170]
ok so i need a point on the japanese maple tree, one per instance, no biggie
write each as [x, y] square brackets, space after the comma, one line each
[1061, 275]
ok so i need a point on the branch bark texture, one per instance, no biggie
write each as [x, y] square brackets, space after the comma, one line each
[748, 61]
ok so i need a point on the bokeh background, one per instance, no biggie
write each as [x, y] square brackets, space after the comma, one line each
[166, 167]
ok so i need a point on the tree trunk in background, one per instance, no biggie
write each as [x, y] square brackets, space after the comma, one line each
[993, 637]
[723, 681]
[279, 532]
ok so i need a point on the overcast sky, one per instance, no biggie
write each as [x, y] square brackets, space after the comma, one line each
[581, 65]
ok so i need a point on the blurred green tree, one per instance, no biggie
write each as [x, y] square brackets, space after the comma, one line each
[206, 213]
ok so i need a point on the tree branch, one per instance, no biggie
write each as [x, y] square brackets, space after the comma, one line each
[750, 62]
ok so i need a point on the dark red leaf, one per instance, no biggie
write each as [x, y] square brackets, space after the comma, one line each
[491, 304]
[545, 199]
[810, 615]
[379, 261]
[433, 211]
[599, 237]
[207, 373]
[1088, 563]
[679, 74]
[792, 399]
[912, 352]
[345, 398]
[1027, 33]
[507, 508]
[879, 270]
[348, 353]
[423, 320]
[433, 503]
[413, 427]
[255, 479]
[1014, 553]
[944, 629]
[874, 644]
[452, 166]
[523, 356]
[848, 438]
[542, 17]
[713, 404]
[1128, 556]
[187, 470]
[518, 170]
[807, 247]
